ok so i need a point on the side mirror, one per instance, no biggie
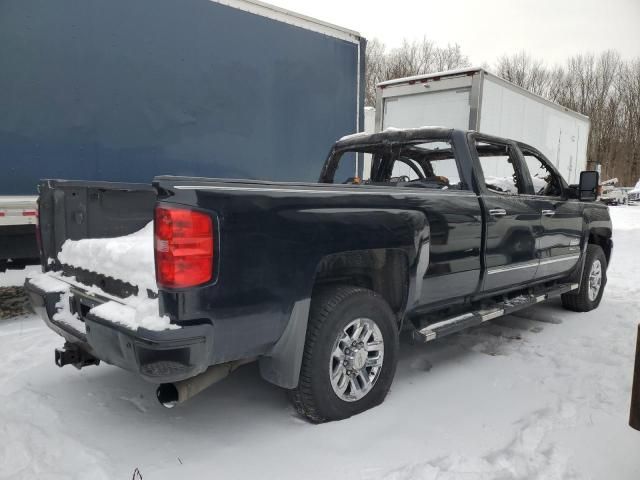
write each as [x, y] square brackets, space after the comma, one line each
[588, 186]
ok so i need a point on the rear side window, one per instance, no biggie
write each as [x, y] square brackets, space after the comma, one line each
[347, 168]
[423, 164]
[448, 167]
[498, 167]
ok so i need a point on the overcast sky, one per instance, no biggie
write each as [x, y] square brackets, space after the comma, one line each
[485, 29]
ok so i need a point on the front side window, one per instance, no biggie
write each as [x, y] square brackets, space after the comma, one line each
[498, 167]
[545, 182]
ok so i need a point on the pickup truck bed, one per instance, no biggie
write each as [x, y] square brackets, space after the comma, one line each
[314, 277]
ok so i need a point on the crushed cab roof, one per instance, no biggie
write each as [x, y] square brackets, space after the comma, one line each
[393, 135]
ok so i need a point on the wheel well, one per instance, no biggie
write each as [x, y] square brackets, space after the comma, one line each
[385, 271]
[603, 241]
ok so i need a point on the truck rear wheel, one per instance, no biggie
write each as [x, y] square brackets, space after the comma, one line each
[350, 354]
[592, 283]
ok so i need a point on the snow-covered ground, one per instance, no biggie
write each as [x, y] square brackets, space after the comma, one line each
[544, 395]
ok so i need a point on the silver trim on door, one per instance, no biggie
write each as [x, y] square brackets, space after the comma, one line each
[548, 213]
[565, 258]
[510, 268]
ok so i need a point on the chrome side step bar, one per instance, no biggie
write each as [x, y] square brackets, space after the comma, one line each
[460, 322]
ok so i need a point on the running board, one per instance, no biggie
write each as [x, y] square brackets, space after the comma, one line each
[477, 317]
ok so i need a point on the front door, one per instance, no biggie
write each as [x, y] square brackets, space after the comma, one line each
[511, 223]
[559, 240]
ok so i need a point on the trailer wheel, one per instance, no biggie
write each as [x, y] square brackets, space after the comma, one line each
[592, 283]
[350, 354]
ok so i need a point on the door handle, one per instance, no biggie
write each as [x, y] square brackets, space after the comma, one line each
[497, 212]
[548, 213]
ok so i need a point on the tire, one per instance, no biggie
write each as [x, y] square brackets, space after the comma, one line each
[332, 311]
[584, 299]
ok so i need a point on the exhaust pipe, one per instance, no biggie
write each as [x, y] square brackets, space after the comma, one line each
[170, 394]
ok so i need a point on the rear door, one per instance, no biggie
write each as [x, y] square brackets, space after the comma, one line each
[512, 224]
[559, 239]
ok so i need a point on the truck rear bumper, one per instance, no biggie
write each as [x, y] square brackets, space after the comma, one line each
[157, 356]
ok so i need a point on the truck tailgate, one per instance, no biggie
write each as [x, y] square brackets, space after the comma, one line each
[77, 210]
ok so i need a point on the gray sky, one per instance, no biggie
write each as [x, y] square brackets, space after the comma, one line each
[485, 29]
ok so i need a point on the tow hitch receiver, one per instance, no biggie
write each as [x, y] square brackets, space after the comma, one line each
[72, 355]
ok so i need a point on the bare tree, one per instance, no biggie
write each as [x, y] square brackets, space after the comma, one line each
[375, 67]
[526, 72]
[629, 86]
[603, 87]
[449, 58]
[411, 58]
[599, 86]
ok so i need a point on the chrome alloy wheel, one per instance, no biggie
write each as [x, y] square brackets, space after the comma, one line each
[595, 280]
[356, 359]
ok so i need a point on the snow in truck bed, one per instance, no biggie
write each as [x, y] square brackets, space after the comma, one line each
[128, 258]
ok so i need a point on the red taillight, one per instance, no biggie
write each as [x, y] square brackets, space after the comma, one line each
[29, 213]
[183, 247]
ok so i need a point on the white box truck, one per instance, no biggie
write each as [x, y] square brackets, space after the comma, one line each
[475, 99]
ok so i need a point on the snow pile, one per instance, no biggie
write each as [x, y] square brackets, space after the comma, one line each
[138, 312]
[501, 184]
[128, 258]
[539, 184]
[133, 312]
[63, 314]
[353, 136]
[48, 283]
[15, 278]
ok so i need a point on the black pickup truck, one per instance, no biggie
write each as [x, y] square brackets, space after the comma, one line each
[315, 281]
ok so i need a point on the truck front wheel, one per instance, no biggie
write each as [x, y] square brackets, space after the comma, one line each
[350, 354]
[594, 278]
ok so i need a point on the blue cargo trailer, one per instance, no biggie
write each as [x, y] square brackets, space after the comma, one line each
[124, 91]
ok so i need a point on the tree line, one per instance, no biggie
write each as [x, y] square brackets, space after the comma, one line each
[604, 87]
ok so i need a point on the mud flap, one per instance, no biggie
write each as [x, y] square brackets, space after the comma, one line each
[282, 365]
